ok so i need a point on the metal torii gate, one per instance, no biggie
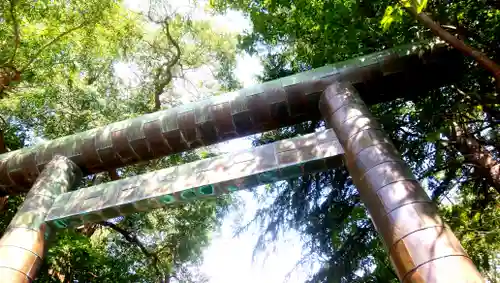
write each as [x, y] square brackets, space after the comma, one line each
[421, 247]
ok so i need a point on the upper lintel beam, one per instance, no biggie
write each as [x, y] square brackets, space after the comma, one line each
[283, 102]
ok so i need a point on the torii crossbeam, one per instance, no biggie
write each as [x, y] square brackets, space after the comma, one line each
[421, 247]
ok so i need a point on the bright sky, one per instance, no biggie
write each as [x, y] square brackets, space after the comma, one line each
[229, 259]
[200, 79]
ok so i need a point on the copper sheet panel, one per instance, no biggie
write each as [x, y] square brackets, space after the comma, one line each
[278, 103]
[22, 246]
[402, 213]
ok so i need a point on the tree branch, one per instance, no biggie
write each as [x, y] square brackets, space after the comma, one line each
[169, 66]
[481, 58]
[55, 39]
[15, 27]
[3, 149]
[131, 238]
[183, 77]
[408, 133]
[3, 146]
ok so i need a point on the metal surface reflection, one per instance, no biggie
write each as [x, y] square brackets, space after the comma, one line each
[282, 102]
[210, 177]
[422, 248]
[23, 245]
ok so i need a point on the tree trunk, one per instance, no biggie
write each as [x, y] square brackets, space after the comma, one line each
[113, 175]
[485, 164]
[3, 149]
[4, 204]
[8, 75]
[480, 57]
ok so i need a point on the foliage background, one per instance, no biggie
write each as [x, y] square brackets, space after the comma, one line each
[58, 75]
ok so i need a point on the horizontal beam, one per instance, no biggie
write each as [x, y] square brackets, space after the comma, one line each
[287, 101]
[201, 179]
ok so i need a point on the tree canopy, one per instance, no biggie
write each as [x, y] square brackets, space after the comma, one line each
[449, 136]
[70, 66]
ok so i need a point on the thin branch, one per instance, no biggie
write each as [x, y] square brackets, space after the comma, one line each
[55, 39]
[449, 27]
[15, 27]
[478, 131]
[408, 133]
[454, 164]
[183, 77]
[170, 65]
[471, 121]
[4, 123]
[131, 238]
[3, 146]
[298, 264]
[4, 200]
[95, 77]
[492, 114]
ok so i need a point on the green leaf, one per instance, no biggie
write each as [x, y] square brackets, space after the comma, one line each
[422, 4]
[433, 137]
[388, 18]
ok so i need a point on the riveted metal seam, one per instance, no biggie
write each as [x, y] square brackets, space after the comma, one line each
[431, 260]
[17, 270]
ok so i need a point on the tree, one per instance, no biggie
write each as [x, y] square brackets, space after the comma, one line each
[416, 9]
[39, 35]
[69, 56]
[448, 135]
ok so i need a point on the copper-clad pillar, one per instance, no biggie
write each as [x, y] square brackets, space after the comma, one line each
[422, 248]
[23, 246]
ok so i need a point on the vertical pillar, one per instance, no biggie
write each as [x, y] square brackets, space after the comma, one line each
[23, 246]
[422, 248]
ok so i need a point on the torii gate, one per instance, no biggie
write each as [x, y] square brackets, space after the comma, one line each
[421, 247]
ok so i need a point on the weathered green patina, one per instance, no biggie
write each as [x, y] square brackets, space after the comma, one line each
[204, 178]
[23, 245]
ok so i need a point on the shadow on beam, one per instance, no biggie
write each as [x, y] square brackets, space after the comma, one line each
[201, 179]
[400, 72]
